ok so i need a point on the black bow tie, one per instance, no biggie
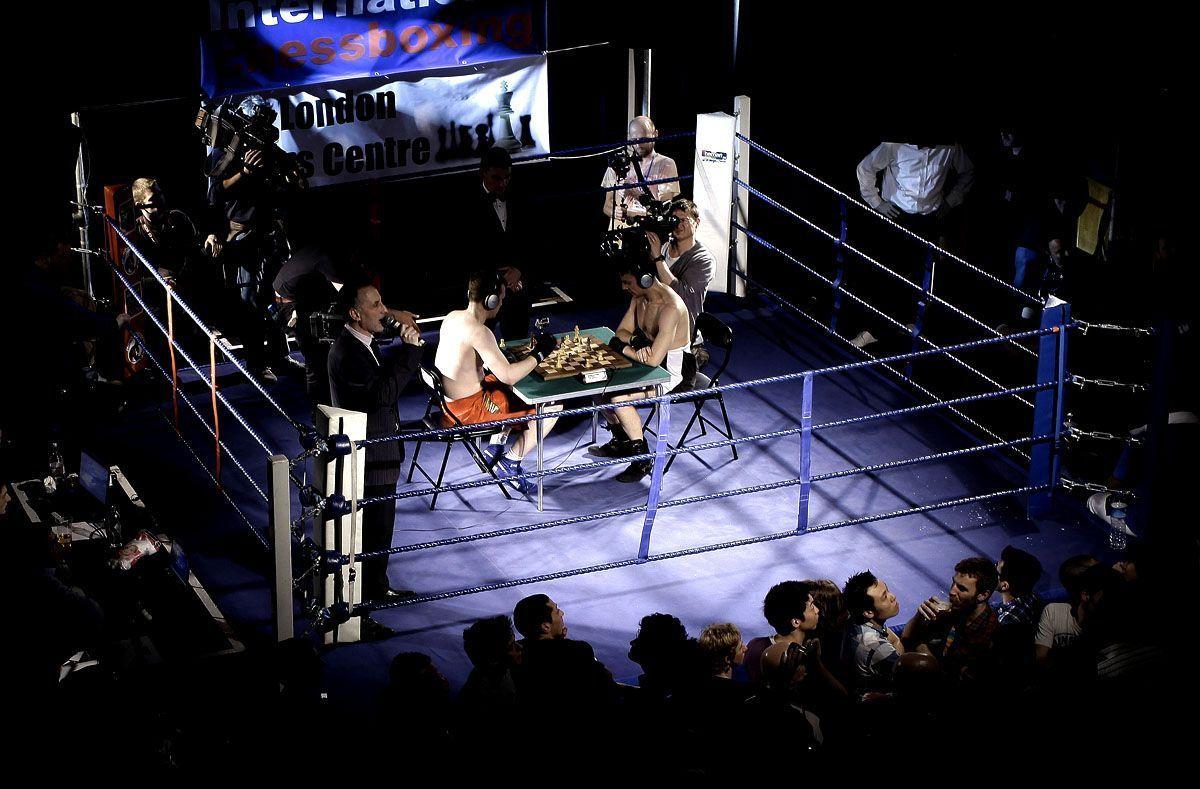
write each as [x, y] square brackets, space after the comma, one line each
[497, 198]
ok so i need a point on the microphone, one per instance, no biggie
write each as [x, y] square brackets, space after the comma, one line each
[391, 326]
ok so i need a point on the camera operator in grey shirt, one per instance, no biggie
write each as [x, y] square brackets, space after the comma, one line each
[685, 266]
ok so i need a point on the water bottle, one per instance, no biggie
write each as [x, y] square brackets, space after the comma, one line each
[55, 461]
[1116, 532]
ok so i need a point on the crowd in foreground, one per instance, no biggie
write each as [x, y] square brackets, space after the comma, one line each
[991, 666]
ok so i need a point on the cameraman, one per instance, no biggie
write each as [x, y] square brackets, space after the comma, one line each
[361, 378]
[306, 285]
[620, 206]
[247, 202]
[685, 266]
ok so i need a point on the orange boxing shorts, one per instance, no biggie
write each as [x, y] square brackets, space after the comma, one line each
[492, 402]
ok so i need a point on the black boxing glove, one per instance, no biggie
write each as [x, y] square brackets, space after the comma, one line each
[617, 344]
[543, 346]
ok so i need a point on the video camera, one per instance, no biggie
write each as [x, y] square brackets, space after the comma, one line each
[249, 126]
[659, 219]
[327, 325]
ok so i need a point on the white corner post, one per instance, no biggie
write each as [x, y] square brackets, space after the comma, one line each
[279, 507]
[637, 95]
[713, 191]
[339, 475]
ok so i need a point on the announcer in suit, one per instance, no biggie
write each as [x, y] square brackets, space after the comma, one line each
[361, 378]
[498, 239]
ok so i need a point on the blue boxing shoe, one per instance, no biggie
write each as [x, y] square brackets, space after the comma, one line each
[510, 468]
[492, 454]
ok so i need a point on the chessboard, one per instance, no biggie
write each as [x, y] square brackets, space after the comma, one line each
[578, 353]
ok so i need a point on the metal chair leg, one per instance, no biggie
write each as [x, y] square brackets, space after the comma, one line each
[728, 427]
[413, 466]
[481, 461]
[684, 436]
[441, 474]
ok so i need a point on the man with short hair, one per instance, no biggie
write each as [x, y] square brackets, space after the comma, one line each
[362, 378]
[1058, 626]
[788, 608]
[556, 673]
[1020, 605]
[489, 690]
[684, 265]
[654, 331]
[499, 240]
[622, 205]
[871, 651]
[961, 634]
[466, 348]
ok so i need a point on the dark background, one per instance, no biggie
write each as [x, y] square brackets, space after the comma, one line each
[827, 84]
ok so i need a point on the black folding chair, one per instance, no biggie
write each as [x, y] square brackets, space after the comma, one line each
[717, 335]
[432, 420]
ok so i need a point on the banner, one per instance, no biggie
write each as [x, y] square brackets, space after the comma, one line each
[364, 130]
[259, 45]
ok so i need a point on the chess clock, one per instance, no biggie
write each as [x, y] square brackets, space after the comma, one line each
[593, 376]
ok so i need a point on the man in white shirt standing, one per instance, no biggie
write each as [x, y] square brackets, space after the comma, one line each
[626, 204]
[915, 195]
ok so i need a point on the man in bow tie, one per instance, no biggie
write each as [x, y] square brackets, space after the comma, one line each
[497, 243]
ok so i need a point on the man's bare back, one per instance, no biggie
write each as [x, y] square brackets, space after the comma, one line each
[465, 348]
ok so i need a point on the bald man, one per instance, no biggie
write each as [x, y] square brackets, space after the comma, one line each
[622, 205]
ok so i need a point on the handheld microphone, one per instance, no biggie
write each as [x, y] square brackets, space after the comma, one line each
[391, 326]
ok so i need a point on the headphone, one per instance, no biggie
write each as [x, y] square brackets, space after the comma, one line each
[489, 291]
[637, 248]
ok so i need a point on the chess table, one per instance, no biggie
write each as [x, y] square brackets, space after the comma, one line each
[540, 392]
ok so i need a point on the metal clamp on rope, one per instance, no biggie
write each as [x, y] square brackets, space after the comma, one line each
[332, 560]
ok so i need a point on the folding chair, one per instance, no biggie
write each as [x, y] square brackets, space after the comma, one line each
[717, 335]
[432, 420]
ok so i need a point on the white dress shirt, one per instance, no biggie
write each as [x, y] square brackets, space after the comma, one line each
[914, 178]
[365, 339]
[501, 209]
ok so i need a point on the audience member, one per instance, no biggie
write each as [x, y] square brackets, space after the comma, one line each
[789, 609]
[959, 632]
[871, 651]
[557, 675]
[661, 648]
[1058, 626]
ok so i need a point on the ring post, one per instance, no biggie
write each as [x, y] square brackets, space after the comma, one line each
[1049, 405]
[333, 536]
[922, 303]
[279, 505]
[660, 457]
[839, 265]
[806, 410]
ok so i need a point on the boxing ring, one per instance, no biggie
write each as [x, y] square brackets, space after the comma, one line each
[313, 484]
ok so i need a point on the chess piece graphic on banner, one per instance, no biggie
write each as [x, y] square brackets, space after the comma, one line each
[527, 131]
[503, 123]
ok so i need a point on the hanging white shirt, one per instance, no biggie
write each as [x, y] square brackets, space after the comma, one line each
[914, 179]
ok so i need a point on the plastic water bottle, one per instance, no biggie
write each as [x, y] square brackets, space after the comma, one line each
[1116, 532]
[54, 461]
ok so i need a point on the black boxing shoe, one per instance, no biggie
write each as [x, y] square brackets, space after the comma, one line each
[617, 447]
[637, 471]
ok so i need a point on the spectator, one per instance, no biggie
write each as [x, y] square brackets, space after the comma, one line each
[415, 708]
[556, 673]
[788, 607]
[831, 626]
[1020, 605]
[1058, 626]
[960, 635]
[922, 183]
[871, 651]
[661, 648]
[494, 653]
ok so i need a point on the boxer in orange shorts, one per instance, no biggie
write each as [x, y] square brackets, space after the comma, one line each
[465, 348]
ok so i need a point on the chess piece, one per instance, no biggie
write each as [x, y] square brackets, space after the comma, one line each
[527, 131]
[503, 123]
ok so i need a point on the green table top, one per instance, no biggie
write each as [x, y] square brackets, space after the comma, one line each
[533, 390]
